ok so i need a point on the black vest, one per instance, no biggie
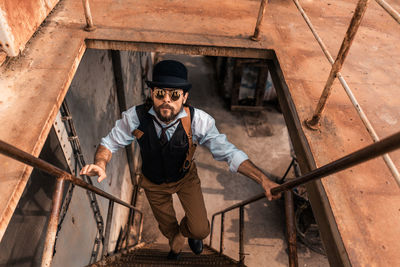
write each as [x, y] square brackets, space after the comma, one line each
[161, 164]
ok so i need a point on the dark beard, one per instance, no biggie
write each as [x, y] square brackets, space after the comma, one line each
[163, 118]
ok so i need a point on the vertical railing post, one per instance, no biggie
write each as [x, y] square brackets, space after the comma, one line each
[241, 235]
[131, 220]
[108, 227]
[211, 231]
[344, 50]
[221, 240]
[88, 16]
[291, 228]
[261, 12]
[47, 255]
[140, 228]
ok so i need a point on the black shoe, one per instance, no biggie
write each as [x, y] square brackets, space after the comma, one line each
[196, 245]
[173, 256]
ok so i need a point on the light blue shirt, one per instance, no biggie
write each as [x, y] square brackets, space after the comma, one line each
[203, 129]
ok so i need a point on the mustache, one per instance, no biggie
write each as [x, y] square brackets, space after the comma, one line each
[165, 106]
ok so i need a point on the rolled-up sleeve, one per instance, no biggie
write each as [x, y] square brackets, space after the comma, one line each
[207, 134]
[121, 135]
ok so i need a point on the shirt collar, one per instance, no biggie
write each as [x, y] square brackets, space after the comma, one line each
[180, 115]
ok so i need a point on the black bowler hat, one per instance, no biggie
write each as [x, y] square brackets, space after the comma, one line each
[170, 74]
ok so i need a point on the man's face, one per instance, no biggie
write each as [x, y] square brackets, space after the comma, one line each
[166, 103]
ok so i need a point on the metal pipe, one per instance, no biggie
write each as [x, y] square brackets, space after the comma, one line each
[369, 152]
[88, 16]
[140, 228]
[47, 255]
[321, 44]
[221, 240]
[291, 229]
[344, 50]
[241, 235]
[261, 12]
[26, 158]
[245, 202]
[350, 94]
[131, 219]
[108, 227]
[369, 128]
[389, 9]
[211, 231]
[286, 172]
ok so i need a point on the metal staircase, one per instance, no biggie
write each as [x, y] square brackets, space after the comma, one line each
[156, 255]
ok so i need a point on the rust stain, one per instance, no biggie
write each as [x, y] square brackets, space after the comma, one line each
[24, 17]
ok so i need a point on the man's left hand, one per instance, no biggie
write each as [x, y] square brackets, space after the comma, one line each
[268, 185]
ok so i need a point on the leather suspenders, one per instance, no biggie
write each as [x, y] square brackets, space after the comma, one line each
[187, 126]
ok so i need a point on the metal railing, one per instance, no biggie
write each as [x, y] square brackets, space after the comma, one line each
[290, 223]
[313, 123]
[367, 153]
[63, 176]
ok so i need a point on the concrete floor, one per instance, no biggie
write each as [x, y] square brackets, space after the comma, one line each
[264, 236]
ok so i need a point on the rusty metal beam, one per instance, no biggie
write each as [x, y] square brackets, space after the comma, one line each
[187, 49]
[389, 9]
[369, 152]
[344, 50]
[291, 234]
[47, 255]
[88, 16]
[261, 12]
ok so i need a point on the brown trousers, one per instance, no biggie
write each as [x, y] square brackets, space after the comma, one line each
[195, 223]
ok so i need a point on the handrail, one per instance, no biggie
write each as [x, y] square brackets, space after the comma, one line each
[26, 158]
[289, 208]
[261, 12]
[350, 94]
[88, 16]
[243, 203]
[367, 153]
[337, 65]
[62, 176]
[389, 9]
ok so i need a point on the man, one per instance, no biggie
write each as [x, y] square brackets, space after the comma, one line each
[167, 131]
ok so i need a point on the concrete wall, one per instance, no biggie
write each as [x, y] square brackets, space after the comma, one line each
[23, 241]
[93, 103]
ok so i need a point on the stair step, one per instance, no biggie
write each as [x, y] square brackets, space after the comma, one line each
[156, 255]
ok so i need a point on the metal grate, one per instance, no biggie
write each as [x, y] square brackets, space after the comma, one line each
[156, 255]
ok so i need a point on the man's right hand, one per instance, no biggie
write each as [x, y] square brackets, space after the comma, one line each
[92, 170]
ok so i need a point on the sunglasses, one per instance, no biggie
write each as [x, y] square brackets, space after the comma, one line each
[173, 94]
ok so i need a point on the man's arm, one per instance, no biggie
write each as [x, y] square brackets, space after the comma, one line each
[101, 158]
[250, 170]
[120, 136]
[207, 134]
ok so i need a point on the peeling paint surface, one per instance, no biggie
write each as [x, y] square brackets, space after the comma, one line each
[19, 19]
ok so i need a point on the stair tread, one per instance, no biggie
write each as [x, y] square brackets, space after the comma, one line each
[156, 255]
